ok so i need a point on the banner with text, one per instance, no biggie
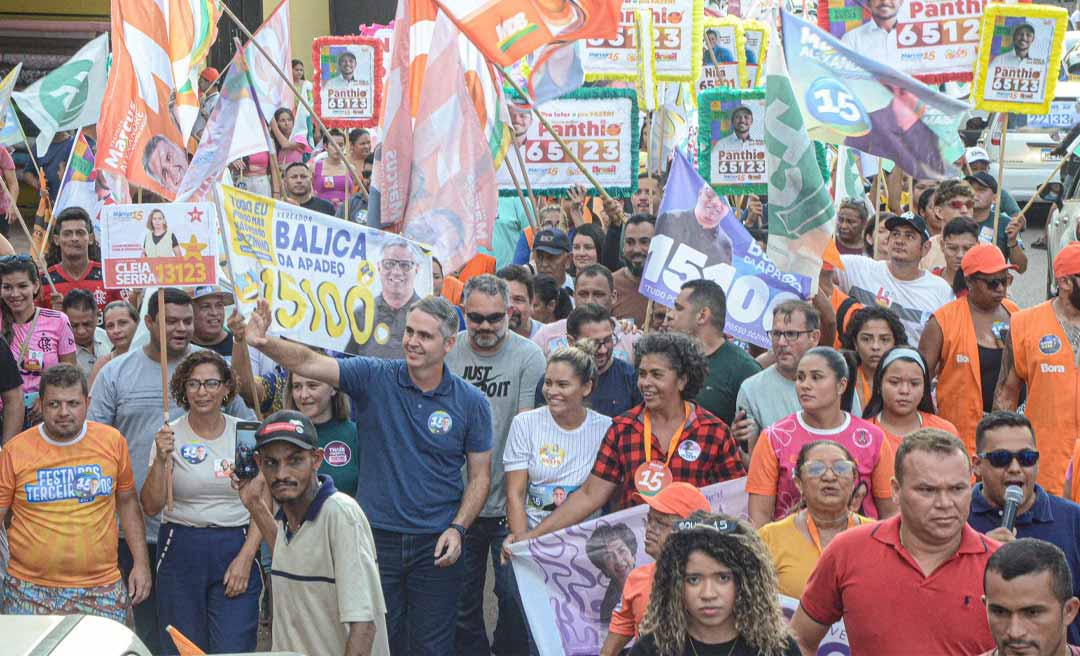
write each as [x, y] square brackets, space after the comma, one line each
[153, 245]
[565, 586]
[347, 74]
[723, 62]
[333, 284]
[731, 134]
[677, 27]
[698, 236]
[933, 40]
[1019, 57]
[600, 126]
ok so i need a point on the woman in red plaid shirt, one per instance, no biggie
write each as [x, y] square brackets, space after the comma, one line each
[686, 442]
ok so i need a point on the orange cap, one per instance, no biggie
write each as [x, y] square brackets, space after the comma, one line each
[984, 258]
[681, 499]
[1067, 262]
[210, 74]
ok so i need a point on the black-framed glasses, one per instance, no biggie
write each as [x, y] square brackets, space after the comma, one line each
[789, 335]
[993, 283]
[817, 468]
[477, 318]
[1002, 458]
[211, 384]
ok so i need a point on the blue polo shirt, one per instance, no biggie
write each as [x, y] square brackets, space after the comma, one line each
[411, 444]
[615, 392]
[1052, 519]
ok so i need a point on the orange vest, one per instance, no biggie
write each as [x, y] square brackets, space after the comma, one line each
[959, 386]
[1044, 360]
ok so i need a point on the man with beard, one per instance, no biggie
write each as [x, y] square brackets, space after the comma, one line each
[646, 200]
[344, 80]
[1040, 352]
[327, 596]
[521, 299]
[298, 190]
[397, 277]
[742, 119]
[877, 37]
[629, 304]
[701, 227]
[506, 367]
[1023, 35]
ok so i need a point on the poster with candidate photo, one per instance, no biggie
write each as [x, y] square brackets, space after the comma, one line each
[676, 29]
[347, 73]
[731, 140]
[159, 244]
[1019, 58]
[755, 47]
[722, 60]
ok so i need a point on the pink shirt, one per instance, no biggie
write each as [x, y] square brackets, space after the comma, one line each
[553, 336]
[52, 338]
[6, 164]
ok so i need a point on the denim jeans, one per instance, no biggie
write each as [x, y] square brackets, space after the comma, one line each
[146, 619]
[486, 537]
[421, 598]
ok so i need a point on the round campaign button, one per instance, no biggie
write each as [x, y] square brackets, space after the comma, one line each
[337, 453]
[689, 450]
[651, 477]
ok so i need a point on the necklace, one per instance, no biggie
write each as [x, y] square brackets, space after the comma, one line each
[729, 652]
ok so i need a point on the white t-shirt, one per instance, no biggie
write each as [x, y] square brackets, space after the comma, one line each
[871, 41]
[913, 301]
[558, 460]
[202, 491]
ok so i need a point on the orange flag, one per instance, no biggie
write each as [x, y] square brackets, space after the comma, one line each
[183, 645]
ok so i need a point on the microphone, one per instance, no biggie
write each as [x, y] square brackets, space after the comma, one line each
[1013, 497]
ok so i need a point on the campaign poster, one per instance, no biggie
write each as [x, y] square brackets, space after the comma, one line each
[755, 47]
[722, 62]
[731, 136]
[699, 237]
[1019, 58]
[155, 245]
[599, 125]
[935, 41]
[677, 27]
[332, 283]
[347, 78]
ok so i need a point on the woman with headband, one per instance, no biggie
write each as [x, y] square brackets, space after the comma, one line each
[901, 401]
[821, 383]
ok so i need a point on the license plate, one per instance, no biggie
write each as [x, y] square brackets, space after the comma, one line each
[1047, 155]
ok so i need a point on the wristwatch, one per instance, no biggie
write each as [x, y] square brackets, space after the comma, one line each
[460, 529]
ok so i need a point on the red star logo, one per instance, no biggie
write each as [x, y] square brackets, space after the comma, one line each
[195, 215]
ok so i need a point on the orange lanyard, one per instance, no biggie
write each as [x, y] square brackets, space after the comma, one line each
[812, 528]
[674, 438]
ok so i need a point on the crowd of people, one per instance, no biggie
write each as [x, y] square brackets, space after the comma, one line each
[535, 389]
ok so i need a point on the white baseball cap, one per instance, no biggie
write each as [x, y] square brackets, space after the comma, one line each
[976, 154]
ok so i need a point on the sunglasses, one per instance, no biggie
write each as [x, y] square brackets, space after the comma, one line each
[477, 318]
[992, 283]
[1002, 458]
[817, 468]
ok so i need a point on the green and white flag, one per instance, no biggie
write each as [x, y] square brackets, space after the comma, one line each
[801, 213]
[70, 97]
[849, 182]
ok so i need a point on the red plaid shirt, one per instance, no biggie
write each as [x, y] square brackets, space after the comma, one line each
[623, 451]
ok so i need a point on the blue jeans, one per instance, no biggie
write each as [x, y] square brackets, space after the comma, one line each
[421, 599]
[191, 568]
[146, 620]
[484, 537]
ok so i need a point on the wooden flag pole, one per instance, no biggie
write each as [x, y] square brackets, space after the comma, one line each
[877, 209]
[271, 149]
[164, 359]
[528, 183]
[1035, 196]
[533, 222]
[36, 252]
[1000, 175]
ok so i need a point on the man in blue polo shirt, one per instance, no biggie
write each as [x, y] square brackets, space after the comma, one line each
[1006, 456]
[418, 425]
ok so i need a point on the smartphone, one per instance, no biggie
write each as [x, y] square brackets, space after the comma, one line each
[244, 464]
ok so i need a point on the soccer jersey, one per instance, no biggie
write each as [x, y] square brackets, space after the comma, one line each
[35, 353]
[92, 281]
[62, 497]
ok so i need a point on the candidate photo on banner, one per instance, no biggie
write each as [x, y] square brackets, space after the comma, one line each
[731, 134]
[1020, 56]
[722, 58]
[677, 28]
[600, 125]
[935, 41]
[347, 73]
[152, 245]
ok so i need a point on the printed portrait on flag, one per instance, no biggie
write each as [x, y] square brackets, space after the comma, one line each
[677, 29]
[1020, 54]
[722, 59]
[347, 78]
[934, 40]
[731, 135]
[755, 47]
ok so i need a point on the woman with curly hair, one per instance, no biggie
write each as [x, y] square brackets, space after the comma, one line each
[871, 331]
[208, 584]
[666, 438]
[714, 593]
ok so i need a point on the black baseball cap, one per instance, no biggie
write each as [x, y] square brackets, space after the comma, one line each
[909, 219]
[287, 426]
[985, 179]
[552, 241]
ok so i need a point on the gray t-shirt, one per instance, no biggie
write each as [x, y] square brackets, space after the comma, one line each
[508, 378]
[768, 397]
[127, 396]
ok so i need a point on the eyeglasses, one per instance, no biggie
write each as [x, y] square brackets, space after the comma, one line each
[992, 283]
[1002, 458]
[958, 204]
[477, 318]
[789, 335]
[405, 266]
[211, 384]
[817, 468]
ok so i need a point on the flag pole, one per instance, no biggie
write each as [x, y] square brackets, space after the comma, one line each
[33, 249]
[533, 222]
[164, 359]
[570, 153]
[52, 216]
[534, 219]
[1000, 175]
[877, 209]
[292, 87]
[1042, 186]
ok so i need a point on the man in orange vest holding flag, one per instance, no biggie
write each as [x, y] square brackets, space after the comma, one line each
[1041, 352]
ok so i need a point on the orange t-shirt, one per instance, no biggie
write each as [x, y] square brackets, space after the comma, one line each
[928, 421]
[451, 290]
[626, 619]
[62, 500]
[836, 299]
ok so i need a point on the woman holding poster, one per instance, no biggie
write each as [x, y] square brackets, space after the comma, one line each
[160, 241]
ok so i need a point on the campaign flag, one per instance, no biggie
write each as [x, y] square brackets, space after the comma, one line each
[852, 99]
[698, 236]
[77, 187]
[137, 136]
[328, 272]
[10, 132]
[566, 596]
[508, 30]
[7, 85]
[556, 71]
[848, 181]
[801, 214]
[452, 194]
[273, 36]
[192, 28]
